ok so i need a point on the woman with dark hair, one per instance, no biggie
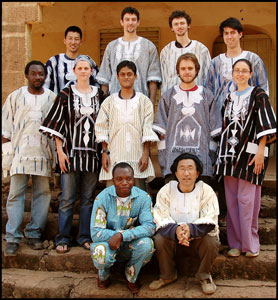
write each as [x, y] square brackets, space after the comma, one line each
[186, 220]
[249, 126]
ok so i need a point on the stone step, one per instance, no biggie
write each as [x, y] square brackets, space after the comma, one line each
[268, 202]
[267, 228]
[18, 283]
[79, 260]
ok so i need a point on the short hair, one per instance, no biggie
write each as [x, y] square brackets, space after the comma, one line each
[189, 56]
[126, 63]
[231, 22]
[244, 60]
[130, 10]
[187, 155]
[122, 165]
[34, 62]
[73, 29]
[179, 14]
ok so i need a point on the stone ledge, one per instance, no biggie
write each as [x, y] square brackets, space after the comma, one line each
[18, 283]
[79, 260]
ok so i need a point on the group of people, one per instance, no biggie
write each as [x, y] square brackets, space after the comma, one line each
[214, 118]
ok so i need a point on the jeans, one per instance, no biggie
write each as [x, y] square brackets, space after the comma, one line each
[69, 183]
[15, 207]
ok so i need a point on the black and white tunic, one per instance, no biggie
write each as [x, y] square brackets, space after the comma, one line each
[247, 117]
[72, 119]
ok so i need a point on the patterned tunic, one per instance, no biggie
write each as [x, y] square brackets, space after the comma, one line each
[168, 60]
[248, 116]
[189, 120]
[125, 125]
[197, 207]
[72, 119]
[133, 218]
[32, 153]
[60, 73]
[142, 52]
[220, 81]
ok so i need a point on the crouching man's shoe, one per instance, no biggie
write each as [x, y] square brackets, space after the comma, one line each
[11, 249]
[208, 286]
[134, 287]
[34, 243]
[103, 284]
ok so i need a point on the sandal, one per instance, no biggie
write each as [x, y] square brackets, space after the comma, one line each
[64, 250]
[86, 245]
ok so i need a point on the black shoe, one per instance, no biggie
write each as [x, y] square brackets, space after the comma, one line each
[33, 243]
[11, 249]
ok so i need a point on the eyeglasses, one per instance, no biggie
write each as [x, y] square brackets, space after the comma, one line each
[244, 72]
[189, 169]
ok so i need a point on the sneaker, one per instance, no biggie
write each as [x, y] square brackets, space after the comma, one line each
[208, 286]
[234, 252]
[157, 284]
[103, 284]
[250, 254]
[34, 243]
[11, 249]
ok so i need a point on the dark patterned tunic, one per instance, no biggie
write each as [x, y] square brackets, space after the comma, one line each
[248, 116]
[72, 119]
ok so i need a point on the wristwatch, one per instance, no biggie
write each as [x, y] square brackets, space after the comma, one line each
[105, 151]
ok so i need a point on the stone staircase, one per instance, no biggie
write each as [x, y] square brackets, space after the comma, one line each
[46, 274]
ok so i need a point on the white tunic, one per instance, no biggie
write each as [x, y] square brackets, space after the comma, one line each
[125, 125]
[22, 114]
[168, 60]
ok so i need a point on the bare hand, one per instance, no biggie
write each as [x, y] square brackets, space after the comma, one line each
[183, 234]
[105, 159]
[259, 163]
[143, 162]
[115, 241]
[63, 161]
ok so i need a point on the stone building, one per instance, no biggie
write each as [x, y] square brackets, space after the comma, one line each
[35, 30]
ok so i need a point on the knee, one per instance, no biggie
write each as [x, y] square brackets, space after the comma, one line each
[103, 257]
[145, 246]
[210, 244]
[159, 241]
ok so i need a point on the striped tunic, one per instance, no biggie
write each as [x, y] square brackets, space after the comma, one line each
[168, 60]
[220, 80]
[72, 119]
[248, 116]
[125, 125]
[32, 152]
[142, 52]
[60, 73]
[190, 120]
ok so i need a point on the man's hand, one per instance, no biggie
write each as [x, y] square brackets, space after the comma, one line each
[143, 162]
[105, 159]
[183, 234]
[115, 241]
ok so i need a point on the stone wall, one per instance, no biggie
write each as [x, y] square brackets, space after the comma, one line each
[17, 20]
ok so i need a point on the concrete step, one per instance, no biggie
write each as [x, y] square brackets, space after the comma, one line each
[18, 283]
[267, 227]
[79, 260]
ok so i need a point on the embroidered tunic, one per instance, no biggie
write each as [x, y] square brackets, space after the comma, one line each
[132, 218]
[72, 119]
[142, 52]
[220, 80]
[125, 125]
[60, 73]
[22, 114]
[189, 120]
[197, 207]
[247, 118]
[168, 60]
